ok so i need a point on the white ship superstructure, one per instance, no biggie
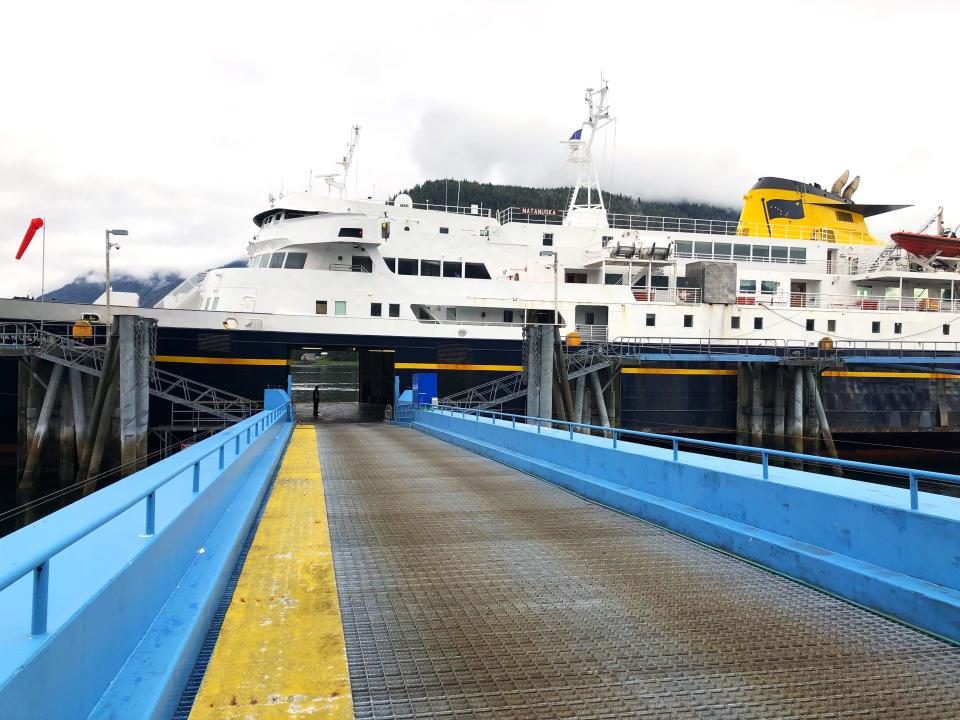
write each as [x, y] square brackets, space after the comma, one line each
[345, 266]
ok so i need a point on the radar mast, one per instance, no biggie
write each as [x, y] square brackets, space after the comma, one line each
[339, 183]
[591, 212]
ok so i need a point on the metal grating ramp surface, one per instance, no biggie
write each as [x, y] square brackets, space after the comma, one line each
[470, 590]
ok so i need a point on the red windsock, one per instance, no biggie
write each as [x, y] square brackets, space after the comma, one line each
[35, 225]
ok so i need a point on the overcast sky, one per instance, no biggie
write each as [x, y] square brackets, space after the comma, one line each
[176, 122]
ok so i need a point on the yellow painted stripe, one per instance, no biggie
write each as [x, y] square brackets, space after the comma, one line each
[281, 652]
[898, 375]
[675, 371]
[455, 366]
[193, 359]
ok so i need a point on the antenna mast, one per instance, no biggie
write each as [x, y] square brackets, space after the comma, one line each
[340, 184]
[580, 153]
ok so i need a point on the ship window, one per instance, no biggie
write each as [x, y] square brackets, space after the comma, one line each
[741, 252]
[276, 260]
[508, 316]
[590, 318]
[477, 271]
[722, 250]
[683, 248]
[394, 309]
[748, 286]
[769, 287]
[798, 256]
[605, 240]
[340, 307]
[778, 254]
[575, 277]
[350, 232]
[548, 239]
[444, 231]
[452, 269]
[897, 328]
[430, 268]
[758, 323]
[831, 325]
[295, 261]
[875, 327]
[376, 309]
[946, 328]
[391, 264]
[703, 249]
[844, 216]
[406, 266]
[688, 320]
[735, 322]
[761, 253]
[811, 324]
[321, 307]
[651, 320]
[613, 279]
[451, 313]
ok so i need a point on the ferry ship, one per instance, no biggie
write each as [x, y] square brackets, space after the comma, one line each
[423, 287]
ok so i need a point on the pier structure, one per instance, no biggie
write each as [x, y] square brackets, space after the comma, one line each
[484, 564]
[83, 397]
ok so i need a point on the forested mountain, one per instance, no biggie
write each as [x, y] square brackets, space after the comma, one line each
[498, 197]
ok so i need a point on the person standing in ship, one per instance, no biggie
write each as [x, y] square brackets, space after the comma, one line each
[316, 400]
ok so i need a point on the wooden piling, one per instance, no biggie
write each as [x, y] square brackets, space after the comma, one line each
[756, 405]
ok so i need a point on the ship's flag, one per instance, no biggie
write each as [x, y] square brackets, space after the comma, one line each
[576, 134]
[35, 225]
[792, 209]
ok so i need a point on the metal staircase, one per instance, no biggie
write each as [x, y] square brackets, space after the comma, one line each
[30, 339]
[510, 387]
[890, 252]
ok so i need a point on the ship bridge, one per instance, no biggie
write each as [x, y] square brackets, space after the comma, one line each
[476, 564]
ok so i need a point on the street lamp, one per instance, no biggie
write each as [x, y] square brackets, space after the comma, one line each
[111, 245]
[556, 310]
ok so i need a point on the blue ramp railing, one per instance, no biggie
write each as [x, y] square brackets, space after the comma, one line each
[234, 439]
[911, 475]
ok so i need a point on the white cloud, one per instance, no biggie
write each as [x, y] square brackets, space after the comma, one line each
[176, 121]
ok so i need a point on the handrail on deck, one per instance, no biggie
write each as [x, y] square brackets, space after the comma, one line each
[912, 474]
[39, 562]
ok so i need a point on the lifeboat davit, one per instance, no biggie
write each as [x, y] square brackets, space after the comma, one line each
[941, 246]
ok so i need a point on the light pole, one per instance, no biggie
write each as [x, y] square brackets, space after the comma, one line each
[556, 305]
[109, 246]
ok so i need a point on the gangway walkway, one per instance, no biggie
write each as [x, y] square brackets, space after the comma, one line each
[468, 589]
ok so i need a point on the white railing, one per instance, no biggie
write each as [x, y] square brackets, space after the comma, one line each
[681, 296]
[592, 333]
[696, 226]
[827, 301]
[454, 209]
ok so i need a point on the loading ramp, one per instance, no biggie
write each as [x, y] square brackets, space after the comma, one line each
[469, 589]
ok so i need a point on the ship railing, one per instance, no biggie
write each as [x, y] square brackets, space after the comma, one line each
[679, 347]
[827, 301]
[680, 296]
[696, 226]
[38, 563]
[909, 476]
[347, 267]
[592, 333]
[475, 210]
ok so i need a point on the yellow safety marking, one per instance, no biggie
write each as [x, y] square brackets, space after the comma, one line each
[675, 371]
[193, 359]
[899, 375]
[281, 652]
[455, 366]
